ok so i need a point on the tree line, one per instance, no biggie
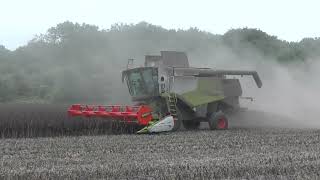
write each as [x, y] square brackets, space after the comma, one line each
[74, 62]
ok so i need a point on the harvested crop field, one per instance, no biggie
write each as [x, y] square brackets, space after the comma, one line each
[254, 147]
[202, 154]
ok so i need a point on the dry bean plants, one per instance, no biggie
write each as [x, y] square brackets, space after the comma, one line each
[32, 120]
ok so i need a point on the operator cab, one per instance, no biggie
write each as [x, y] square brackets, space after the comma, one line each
[142, 82]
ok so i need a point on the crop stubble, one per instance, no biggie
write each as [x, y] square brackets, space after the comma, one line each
[269, 153]
[203, 154]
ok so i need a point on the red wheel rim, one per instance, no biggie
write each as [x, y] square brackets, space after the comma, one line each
[222, 123]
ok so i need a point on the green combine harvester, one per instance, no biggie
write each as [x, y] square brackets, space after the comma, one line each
[167, 93]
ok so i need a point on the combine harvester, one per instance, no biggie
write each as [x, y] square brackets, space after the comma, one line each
[167, 94]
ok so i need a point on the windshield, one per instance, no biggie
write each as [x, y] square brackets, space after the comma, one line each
[142, 81]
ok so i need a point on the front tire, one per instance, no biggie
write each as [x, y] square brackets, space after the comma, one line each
[218, 121]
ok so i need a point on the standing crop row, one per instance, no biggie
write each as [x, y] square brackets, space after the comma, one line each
[34, 120]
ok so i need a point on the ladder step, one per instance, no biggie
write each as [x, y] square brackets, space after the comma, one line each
[172, 104]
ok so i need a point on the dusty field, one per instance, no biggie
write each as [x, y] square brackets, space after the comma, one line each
[254, 147]
[203, 154]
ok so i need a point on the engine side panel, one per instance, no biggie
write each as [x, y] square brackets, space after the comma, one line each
[197, 91]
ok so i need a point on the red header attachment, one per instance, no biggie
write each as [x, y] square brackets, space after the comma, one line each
[141, 115]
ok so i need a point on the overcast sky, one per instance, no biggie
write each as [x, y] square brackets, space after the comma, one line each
[291, 20]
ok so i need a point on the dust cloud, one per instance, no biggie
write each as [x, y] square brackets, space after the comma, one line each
[289, 96]
[291, 91]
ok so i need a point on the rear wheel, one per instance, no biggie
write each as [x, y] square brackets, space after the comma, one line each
[218, 121]
[191, 124]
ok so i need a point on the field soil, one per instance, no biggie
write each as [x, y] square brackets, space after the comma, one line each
[258, 145]
[261, 153]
